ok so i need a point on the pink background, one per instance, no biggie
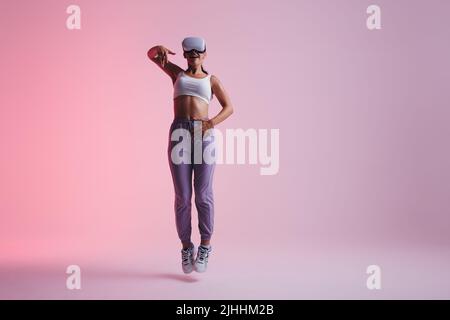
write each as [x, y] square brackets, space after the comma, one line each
[364, 159]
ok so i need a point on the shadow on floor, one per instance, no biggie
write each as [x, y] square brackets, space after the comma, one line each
[188, 278]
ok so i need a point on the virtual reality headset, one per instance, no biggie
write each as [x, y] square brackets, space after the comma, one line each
[194, 43]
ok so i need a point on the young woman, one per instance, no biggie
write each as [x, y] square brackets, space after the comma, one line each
[193, 90]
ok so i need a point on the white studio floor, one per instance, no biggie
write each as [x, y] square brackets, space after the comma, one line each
[267, 273]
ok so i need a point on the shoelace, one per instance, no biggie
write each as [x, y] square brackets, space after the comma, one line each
[203, 255]
[186, 254]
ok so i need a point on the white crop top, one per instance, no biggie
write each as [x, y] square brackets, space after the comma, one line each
[198, 87]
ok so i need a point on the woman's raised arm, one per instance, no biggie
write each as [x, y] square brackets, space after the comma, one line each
[159, 55]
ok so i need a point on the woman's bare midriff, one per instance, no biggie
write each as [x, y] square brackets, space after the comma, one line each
[190, 107]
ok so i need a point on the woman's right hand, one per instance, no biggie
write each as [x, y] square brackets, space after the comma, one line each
[162, 54]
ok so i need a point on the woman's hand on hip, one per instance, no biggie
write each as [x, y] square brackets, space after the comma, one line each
[206, 125]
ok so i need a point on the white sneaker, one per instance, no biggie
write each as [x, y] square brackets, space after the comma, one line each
[187, 259]
[201, 260]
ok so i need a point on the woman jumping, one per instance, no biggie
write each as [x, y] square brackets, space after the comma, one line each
[193, 90]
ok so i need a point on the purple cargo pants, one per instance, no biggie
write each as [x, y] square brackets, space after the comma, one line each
[182, 180]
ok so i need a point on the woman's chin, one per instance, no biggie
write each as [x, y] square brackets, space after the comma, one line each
[194, 63]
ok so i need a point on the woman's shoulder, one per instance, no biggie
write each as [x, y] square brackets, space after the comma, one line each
[214, 79]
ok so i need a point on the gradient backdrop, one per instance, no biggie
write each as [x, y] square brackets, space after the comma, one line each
[364, 172]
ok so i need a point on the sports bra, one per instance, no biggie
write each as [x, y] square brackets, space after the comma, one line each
[198, 87]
